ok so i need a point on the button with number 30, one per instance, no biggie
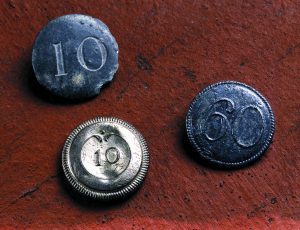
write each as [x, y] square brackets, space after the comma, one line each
[74, 56]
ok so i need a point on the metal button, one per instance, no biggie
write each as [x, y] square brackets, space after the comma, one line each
[74, 56]
[105, 158]
[230, 124]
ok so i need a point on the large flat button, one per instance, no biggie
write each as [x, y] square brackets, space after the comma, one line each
[230, 124]
[74, 56]
[105, 158]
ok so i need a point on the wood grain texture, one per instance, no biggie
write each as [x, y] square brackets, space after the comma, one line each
[169, 51]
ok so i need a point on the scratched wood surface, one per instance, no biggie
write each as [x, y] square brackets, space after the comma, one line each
[169, 51]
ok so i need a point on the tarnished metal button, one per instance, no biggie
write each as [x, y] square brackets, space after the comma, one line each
[230, 124]
[74, 55]
[105, 158]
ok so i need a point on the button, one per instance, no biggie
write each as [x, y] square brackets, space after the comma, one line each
[74, 56]
[105, 158]
[230, 124]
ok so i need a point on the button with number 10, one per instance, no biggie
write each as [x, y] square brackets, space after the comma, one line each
[74, 56]
[105, 158]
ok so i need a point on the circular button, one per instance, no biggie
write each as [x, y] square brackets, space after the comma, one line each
[105, 158]
[230, 124]
[74, 56]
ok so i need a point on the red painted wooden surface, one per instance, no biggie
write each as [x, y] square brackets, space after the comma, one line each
[169, 51]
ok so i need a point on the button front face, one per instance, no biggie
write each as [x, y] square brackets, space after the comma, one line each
[105, 158]
[74, 55]
[230, 124]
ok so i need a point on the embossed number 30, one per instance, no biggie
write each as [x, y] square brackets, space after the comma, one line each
[246, 131]
[60, 59]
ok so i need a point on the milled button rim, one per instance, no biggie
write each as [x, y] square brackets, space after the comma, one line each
[102, 195]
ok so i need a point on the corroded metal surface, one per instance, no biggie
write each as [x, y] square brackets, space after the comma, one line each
[74, 56]
[230, 124]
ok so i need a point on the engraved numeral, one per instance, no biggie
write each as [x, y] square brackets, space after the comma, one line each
[217, 118]
[80, 57]
[242, 124]
[246, 132]
[59, 60]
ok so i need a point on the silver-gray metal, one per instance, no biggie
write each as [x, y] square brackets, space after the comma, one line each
[105, 158]
[230, 124]
[74, 56]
